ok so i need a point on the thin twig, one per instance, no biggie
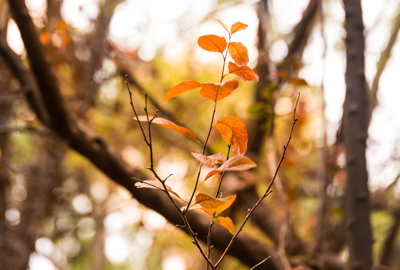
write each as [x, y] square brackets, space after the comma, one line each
[223, 173]
[260, 263]
[266, 193]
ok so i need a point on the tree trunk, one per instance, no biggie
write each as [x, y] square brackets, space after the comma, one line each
[355, 118]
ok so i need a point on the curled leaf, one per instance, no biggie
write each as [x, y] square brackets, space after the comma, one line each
[238, 52]
[234, 132]
[224, 26]
[156, 185]
[227, 223]
[168, 124]
[217, 91]
[236, 163]
[238, 26]
[214, 206]
[244, 72]
[209, 161]
[212, 43]
[181, 88]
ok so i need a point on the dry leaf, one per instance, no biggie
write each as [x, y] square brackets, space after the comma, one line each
[209, 161]
[227, 223]
[244, 72]
[156, 185]
[214, 206]
[238, 26]
[212, 43]
[168, 124]
[224, 25]
[180, 88]
[217, 91]
[236, 163]
[238, 52]
[234, 132]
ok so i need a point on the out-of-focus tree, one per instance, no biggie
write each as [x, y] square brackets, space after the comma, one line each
[69, 147]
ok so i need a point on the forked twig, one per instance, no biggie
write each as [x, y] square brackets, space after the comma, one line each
[266, 193]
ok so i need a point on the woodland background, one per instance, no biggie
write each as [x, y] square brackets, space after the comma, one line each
[69, 145]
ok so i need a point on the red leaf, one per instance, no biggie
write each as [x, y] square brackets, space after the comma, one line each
[168, 124]
[238, 26]
[217, 91]
[236, 163]
[238, 52]
[234, 132]
[244, 72]
[227, 223]
[209, 161]
[212, 43]
[181, 88]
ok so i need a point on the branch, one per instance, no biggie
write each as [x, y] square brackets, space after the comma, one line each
[381, 64]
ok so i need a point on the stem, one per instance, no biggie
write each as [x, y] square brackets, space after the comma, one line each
[266, 193]
[209, 248]
[223, 173]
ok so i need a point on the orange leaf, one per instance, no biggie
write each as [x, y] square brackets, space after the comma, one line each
[234, 132]
[168, 124]
[156, 185]
[181, 88]
[238, 52]
[237, 163]
[238, 26]
[209, 161]
[227, 223]
[214, 206]
[244, 72]
[217, 91]
[212, 43]
[224, 25]
[298, 82]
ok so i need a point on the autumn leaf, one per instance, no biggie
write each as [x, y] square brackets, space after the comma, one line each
[180, 88]
[238, 52]
[168, 124]
[214, 206]
[234, 132]
[209, 161]
[238, 26]
[227, 223]
[156, 185]
[224, 26]
[236, 163]
[298, 82]
[244, 72]
[217, 91]
[212, 43]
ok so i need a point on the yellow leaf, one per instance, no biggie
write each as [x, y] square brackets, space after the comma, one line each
[227, 223]
[244, 72]
[168, 124]
[212, 43]
[217, 91]
[238, 26]
[214, 206]
[209, 161]
[181, 88]
[238, 52]
[234, 132]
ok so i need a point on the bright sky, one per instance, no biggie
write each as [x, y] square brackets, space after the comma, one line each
[154, 25]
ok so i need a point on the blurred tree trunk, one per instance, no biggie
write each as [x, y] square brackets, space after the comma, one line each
[355, 120]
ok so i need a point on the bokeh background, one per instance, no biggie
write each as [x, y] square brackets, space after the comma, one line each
[60, 212]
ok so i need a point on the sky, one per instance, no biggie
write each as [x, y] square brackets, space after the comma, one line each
[154, 25]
